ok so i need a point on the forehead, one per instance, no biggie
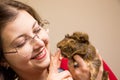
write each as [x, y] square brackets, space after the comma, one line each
[21, 25]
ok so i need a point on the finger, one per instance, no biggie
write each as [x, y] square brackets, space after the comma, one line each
[58, 54]
[71, 67]
[101, 60]
[57, 58]
[65, 74]
[54, 63]
[69, 78]
[51, 67]
[80, 61]
[100, 73]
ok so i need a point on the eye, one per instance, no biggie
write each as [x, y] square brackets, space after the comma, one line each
[37, 29]
[21, 43]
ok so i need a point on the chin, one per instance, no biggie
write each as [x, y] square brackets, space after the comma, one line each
[45, 63]
[43, 66]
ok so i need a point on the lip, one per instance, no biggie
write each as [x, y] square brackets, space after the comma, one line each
[40, 55]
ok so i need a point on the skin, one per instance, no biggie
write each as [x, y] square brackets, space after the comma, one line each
[81, 72]
[45, 66]
[14, 36]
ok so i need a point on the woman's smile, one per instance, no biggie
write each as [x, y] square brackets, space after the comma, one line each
[40, 55]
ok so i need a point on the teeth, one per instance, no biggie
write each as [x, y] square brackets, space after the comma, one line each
[38, 54]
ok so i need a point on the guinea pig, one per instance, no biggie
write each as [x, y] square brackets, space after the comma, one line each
[78, 43]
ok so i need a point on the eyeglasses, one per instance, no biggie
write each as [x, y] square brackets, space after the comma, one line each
[29, 39]
[18, 51]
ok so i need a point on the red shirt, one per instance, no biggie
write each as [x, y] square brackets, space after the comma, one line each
[64, 66]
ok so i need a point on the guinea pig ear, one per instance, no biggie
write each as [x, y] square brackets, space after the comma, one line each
[67, 36]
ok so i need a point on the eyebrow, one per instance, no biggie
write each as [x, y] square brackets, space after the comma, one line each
[34, 24]
[23, 34]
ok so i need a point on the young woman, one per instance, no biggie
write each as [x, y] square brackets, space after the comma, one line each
[24, 52]
[24, 44]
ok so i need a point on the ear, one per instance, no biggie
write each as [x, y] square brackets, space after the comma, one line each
[4, 63]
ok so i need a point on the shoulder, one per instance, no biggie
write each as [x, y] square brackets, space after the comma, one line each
[110, 72]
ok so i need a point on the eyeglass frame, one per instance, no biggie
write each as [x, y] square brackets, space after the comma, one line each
[43, 23]
[16, 51]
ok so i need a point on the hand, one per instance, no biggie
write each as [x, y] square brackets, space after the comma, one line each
[100, 73]
[101, 69]
[53, 69]
[81, 72]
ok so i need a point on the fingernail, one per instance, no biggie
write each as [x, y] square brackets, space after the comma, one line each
[58, 49]
[60, 58]
[47, 30]
[56, 52]
[97, 50]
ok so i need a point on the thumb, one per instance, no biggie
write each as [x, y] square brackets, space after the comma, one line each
[80, 61]
[54, 63]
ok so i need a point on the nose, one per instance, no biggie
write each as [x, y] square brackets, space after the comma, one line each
[37, 42]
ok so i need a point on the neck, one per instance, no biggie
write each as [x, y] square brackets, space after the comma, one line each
[36, 76]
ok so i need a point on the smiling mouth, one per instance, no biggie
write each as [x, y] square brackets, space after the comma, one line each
[34, 57]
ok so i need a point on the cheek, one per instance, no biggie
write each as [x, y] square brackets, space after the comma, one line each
[22, 57]
[15, 60]
[45, 38]
[26, 51]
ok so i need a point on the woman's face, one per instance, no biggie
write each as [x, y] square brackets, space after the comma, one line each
[30, 42]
